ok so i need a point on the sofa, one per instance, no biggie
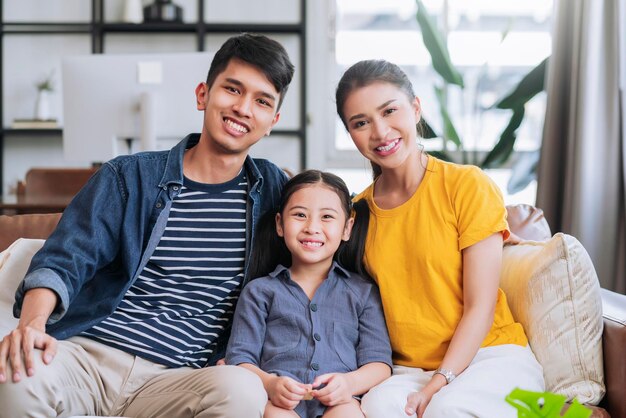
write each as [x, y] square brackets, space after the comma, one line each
[525, 221]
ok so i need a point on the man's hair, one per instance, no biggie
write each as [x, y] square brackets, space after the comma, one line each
[260, 51]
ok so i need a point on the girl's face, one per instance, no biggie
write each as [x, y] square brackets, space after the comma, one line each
[313, 224]
[382, 123]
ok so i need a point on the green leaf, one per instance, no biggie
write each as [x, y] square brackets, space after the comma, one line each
[438, 50]
[544, 405]
[425, 130]
[501, 152]
[523, 172]
[528, 87]
[449, 131]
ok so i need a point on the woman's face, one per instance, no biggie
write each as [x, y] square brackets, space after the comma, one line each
[382, 122]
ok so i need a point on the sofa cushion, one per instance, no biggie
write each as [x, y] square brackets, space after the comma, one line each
[553, 291]
[14, 262]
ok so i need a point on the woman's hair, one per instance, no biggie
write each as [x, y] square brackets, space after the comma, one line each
[364, 73]
[270, 249]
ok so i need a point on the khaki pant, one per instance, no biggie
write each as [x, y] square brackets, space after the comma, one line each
[90, 378]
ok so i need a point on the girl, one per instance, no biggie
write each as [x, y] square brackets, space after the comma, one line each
[435, 250]
[312, 330]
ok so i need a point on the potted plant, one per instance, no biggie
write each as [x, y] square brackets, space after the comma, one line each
[42, 104]
[515, 101]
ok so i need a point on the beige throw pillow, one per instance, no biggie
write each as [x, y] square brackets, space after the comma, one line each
[14, 262]
[553, 291]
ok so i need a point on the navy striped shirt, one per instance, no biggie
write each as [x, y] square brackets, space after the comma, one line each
[186, 294]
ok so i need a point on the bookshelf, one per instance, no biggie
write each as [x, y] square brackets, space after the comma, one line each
[100, 30]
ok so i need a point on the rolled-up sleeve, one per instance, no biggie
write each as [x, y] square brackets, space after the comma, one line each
[374, 343]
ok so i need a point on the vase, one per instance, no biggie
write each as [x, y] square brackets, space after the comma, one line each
[163, 11]
[133, 11]
[42, 105]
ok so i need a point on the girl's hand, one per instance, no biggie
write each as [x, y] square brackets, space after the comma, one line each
[286, 393]
[338, 389]
[417, 402]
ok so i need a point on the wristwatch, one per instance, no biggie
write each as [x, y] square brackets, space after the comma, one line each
[447, 374]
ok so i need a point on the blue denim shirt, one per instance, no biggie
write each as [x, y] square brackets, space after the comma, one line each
[108, 232]
[277, 328]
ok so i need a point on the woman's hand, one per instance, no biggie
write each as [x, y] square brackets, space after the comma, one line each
[417, 402]
[17, 350]
[338, 389]
[286, 393]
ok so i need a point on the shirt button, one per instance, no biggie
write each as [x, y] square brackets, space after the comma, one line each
[317, 336]
[158, 205]
[313, 307]
[315, 366]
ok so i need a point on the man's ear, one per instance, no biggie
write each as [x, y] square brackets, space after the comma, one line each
[274, 122]
[347, 230]
[202, 95]
[279, 225]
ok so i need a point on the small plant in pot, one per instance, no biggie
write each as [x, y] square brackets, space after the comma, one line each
[42, 104]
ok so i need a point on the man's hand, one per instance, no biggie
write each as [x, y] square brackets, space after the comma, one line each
[338, 389]
[17, 350]
[286, 393]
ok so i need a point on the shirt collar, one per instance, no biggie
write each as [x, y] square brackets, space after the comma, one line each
[173, 172]
[282, 271]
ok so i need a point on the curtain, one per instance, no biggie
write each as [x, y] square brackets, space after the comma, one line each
[581, 174]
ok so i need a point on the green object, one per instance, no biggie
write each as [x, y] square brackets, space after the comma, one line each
[434, 42]
[528, 87]
[544, 405]
[46, 84]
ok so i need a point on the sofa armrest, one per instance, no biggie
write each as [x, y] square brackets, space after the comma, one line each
[614, 345]
[26, 226]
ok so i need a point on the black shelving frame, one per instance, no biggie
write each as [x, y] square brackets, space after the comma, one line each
[97, 28]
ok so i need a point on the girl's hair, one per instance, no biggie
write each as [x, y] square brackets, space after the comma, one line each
[270, 249]
[364, 73]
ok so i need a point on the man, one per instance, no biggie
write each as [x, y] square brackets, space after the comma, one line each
[141, 276]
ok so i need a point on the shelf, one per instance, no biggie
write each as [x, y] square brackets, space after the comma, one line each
[253, 27]
[96, 28]
[149, 27]
[32, 131]
[34, 28]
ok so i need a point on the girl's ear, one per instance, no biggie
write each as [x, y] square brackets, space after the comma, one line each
[347, 230]
[279, 225]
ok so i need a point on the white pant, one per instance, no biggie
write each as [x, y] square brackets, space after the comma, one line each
[477, 392]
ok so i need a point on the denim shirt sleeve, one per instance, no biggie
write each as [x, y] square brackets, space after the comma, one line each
[249, 323]
[86, 239]
[374, 343]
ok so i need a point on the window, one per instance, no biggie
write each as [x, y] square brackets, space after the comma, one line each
[491, 66]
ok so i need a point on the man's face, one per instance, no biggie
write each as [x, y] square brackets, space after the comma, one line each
[240, 107]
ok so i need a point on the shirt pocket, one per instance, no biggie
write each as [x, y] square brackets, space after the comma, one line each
[346, 338]
[281, 336]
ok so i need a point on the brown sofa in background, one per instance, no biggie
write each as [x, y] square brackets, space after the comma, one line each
[525, 221]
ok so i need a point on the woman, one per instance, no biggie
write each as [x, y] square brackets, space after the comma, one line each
[435, 248]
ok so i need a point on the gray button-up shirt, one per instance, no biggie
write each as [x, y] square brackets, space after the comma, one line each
[277, 328]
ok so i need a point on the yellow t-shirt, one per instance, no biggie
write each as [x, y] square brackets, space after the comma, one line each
[413, 252]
